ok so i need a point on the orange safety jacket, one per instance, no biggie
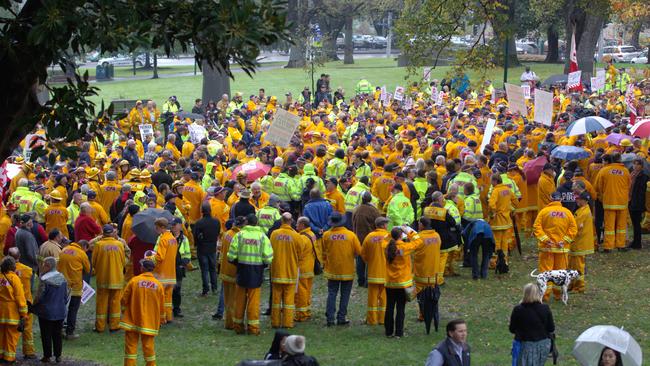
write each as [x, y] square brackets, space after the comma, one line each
[427, 258]
[306, 256]
[584, 241]
[25, 274]
[166, 250]
[108, 263]
[613, 186]
[193, 193]
[286, 243]
[228, 271]
[398, 272]
[143, 305]
[555, 228]
[502, 202]
[13, 305]
[56, 217]
[340, 245]
[73, 262]
[373, 252]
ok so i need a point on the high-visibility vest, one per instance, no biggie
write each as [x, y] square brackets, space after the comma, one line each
[267, 216]
[353, 197]
[473, 207]
[250, 246]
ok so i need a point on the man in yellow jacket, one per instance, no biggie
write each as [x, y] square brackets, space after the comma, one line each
[502, 202]
[143, 312]
[165, 259]
[56, 215]
[584, 242]
[427, 256]
[73, 263]
[373, 252]
[306, 260]
[108, 262]
[555, 229]
[613, 187]
[545, 186]
[340, 245]
[228, 273]
[25, 274]
[284, 272]
[13, 308]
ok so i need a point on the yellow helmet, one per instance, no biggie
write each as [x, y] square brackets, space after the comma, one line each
[626, 142]
[56, 195]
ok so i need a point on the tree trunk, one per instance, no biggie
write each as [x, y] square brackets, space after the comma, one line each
[588, 26]
[155, 66]
[513, 59]
[215, 84]
[329, 46]
[553, 52]
[348, 57]
[296, 17]
[297, 56]
[147, 61]
[636, 32]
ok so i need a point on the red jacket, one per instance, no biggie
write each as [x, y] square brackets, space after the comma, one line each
[86, 228]
[10, 240]
[138, 248]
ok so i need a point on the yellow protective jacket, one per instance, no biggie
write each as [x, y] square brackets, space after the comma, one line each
[193, 193]
[545, 187]
[56, 217]
[382, 187]
[373, 252]
[502, 202]
[107, 194]
[555, 228]
[99, 214]
[337, 200]
[73, 262]
[25, 274]
[219, 210]
[108, 263]
[166, 249]
[584, 240]
[427, 258]
[13, 305]
[286, 243]
[613, 186]
[228, 272]
[340, 245]
[306, 253]
[143, 304]
[398, 272]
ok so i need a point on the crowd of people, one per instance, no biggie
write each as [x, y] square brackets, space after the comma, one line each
[395, 196]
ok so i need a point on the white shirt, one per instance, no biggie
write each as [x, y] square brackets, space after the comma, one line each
[528, 76]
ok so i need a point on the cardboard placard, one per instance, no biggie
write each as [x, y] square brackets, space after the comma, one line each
[87, 292]
[399, 93]
[526, 90]
[573, 79]
[543, 107]
[460, 107]
[487, 136]
[282, 127]
[516, 99]
[197, 133]
[145, 130]
[426, 74]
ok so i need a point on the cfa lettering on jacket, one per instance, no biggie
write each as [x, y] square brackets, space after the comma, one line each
[69, 252]
[148, 285]
[338, 237]
[283, 237]
[616, 172]
[111, 248]
[557, 214]
[251, 242]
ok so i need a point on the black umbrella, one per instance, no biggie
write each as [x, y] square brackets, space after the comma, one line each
[555, 79]
[428, 301]
[190, 115]
[143, 223]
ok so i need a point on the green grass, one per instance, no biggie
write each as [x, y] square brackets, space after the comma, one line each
[616, 294]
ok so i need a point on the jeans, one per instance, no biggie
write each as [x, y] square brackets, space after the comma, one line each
[362, 279]
[637, 217]
[208, 265]
[487, 247]
[395, 298]
[51, 336]
[73, 308]
[220, 302]
[333, 287]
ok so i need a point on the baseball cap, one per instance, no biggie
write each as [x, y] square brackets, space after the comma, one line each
[108, 229]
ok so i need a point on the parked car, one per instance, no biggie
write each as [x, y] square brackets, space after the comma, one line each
[526, 47]
[620, 53]
[122, 60]
[640, 60]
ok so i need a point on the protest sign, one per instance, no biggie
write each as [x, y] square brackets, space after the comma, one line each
[399, 93]
[460, 107]
[382, 96]
[516, 99]
[440, 97]
[408, 103]
[197, 133]
[434, 93]
[543, 107]
[489, 130]
[526, 90]
[573, 79]
[427, 74]
[282, 128]
[86, 293]
[145, 130]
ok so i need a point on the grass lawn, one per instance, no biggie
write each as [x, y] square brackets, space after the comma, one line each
[617, 294]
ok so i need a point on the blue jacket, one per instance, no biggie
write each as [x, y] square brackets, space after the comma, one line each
[318, 211]
[476, 227]
[52, 296]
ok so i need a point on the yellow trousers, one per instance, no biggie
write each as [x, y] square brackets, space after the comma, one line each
[169, 314]
[303, 299]
[28, 337]
[443, 263]
[282, 304]
[131, 348]
[615, 228]
[452, 257]
[549, 262]
[107, 306]
[577, 262]
[376, 304]
[229, 304]
[128, 274]
[247, 303]
[9, 336]
[502, 240]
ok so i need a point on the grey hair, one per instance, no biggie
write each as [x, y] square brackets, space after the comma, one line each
[110, 175]
[23, 182]
[85, 207]
[304, 220]
[256, 184]
[50, 262]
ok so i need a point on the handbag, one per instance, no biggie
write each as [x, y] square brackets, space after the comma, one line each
[410, 293]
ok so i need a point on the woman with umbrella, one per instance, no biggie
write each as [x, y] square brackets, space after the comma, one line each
[532, 324]
[609, 357]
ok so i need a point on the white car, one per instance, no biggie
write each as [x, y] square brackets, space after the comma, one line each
[640, 60]
[121, 60]
[621, 53]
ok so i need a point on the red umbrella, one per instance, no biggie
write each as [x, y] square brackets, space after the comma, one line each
[641, 128]
[253, 169]
[533, 169]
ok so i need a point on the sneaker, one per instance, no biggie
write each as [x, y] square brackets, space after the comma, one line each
[178, 314]
[45, 360]
[342, 322]
[217, 316]
[71, 336]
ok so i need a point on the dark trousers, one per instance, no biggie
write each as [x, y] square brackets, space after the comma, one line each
[599, 220]
[51, 336]
[333, 287]
[487, 247]
[208, 265]
[87, 275]
[362, 278]
[395, 298]
[637, 217]
[176, 296]
[73, 309]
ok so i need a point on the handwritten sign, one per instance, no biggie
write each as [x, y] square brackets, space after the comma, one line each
[543, 107]
[86, 293]
[573, 79]
[526, 90]
[382, 96]
[408, 103]
[145, 130]
[197, 133]
[399, 93]
[516, 99]
[282, 127]
[460, 107]
[434, 93]
[440, 97]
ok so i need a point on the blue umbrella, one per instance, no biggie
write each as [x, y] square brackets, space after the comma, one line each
[564, 152]
[586, 125]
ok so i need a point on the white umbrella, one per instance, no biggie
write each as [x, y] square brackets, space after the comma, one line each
[586, 125]
[591, 342]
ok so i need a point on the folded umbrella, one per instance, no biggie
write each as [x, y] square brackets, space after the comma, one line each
[253, 169]
[591, 342]
[565, 152]
[143, 223]
[428, 301]
[586, 125]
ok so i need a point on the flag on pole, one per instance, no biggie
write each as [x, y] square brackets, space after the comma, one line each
[573, 62]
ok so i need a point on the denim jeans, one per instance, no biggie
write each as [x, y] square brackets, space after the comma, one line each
[333, 287]
[487, 248]
[208, 265]
[220, 303]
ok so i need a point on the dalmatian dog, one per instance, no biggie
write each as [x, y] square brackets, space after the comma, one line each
[559, 277]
